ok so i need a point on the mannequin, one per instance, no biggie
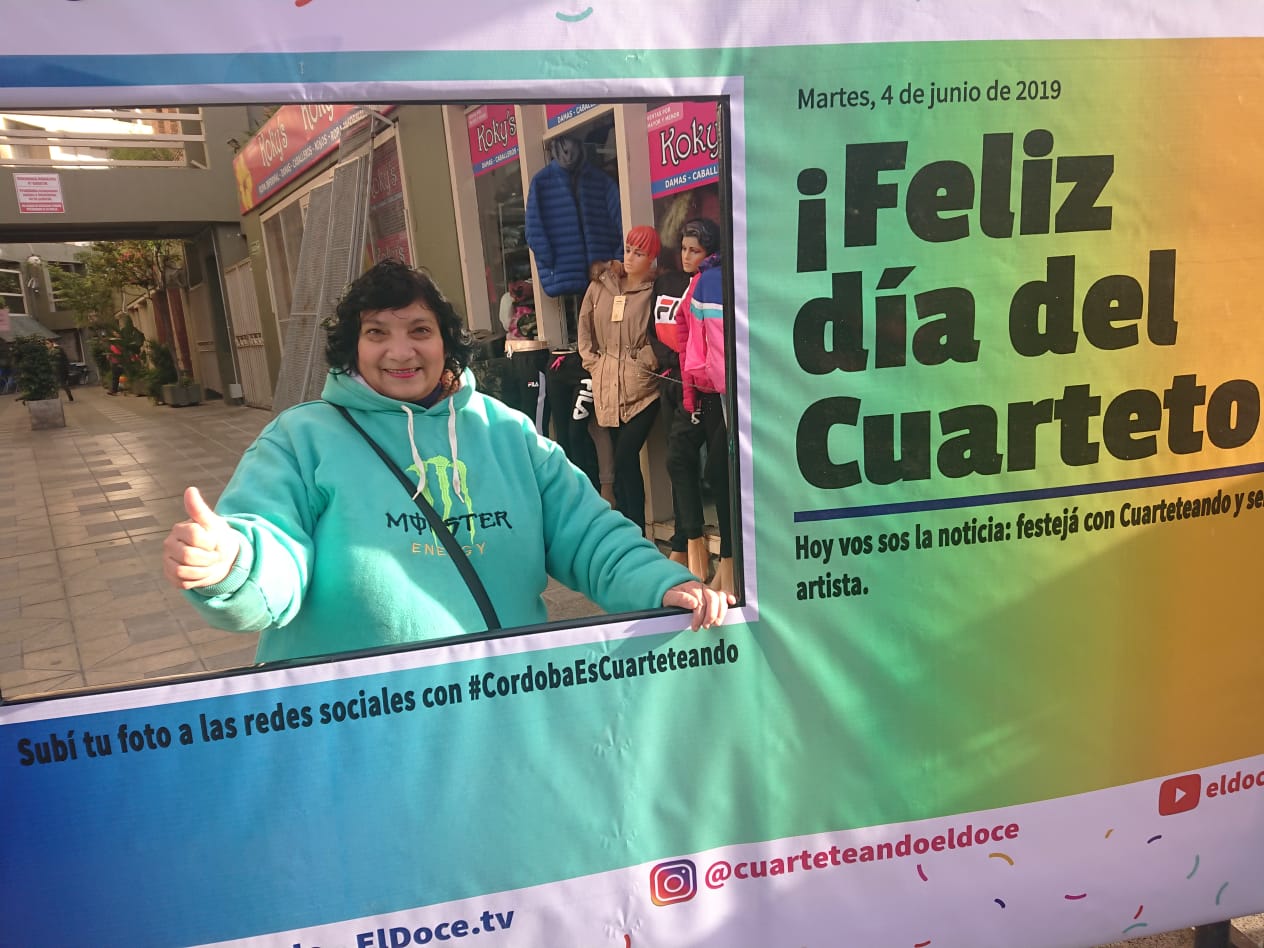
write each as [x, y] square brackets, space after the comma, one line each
[699, 421]
[669, 289]
[613, 329]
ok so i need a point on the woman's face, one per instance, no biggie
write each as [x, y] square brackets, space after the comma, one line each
[691, 254]
[400, 352]
[636, 263]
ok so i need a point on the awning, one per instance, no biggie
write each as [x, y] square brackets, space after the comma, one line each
[25, 326]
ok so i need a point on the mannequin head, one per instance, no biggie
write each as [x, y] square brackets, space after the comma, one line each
[567, 151]
[640, 252]
[691, 254]
[699, 238]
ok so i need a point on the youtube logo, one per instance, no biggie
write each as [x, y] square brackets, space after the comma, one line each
[1179, 794]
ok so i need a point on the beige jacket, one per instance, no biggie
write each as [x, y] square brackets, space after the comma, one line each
[618, 354]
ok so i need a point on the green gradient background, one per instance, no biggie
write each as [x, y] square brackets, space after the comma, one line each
[1006, 673]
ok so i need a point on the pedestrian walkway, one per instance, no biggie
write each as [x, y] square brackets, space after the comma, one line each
[83, 513]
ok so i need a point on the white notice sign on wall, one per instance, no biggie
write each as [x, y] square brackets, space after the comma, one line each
[39, 193]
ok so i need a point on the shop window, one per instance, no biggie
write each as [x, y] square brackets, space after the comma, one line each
[282, 235]
[11, 287]
[388, 219]
[494, 162]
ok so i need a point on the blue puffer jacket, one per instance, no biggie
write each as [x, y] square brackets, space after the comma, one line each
[565, 236]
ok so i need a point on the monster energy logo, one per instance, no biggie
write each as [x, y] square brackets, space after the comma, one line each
[442, 469]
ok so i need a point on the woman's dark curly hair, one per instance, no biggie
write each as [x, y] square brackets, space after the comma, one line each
[391, 284]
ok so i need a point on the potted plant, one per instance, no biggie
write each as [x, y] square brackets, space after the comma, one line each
[192, 389]
[173, 394]
[37, 381]
[154, 387]
[184, 392]
[161, 373]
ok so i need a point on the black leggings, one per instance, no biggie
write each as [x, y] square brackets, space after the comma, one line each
[684, 465]
[669, 398]
[526, 388]
[570, 404]
[629, 485]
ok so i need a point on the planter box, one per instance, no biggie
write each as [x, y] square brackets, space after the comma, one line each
[181, 395]
[47, 413]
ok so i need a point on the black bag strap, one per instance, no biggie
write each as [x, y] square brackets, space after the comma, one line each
[438, 527]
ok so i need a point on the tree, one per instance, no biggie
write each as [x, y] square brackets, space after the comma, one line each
[131, 343]
[109, 269]
[37, 372]
[93, 293]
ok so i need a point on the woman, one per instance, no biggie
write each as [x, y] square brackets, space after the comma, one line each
[315, 542]
[614, 325]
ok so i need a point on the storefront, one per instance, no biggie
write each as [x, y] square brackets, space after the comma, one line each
[461, 212]
[664, 161]
[293, 157]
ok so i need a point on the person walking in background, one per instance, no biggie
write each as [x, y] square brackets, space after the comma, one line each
[63, 368]
[116, 366]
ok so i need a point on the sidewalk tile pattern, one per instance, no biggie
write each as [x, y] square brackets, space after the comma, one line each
[83, 513]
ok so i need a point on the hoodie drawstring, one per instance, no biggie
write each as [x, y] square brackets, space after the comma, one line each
[421, 466]
[456, 474]
[412, 445]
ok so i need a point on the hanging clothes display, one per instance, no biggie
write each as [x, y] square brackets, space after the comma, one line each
[574, 219]
[525, 388]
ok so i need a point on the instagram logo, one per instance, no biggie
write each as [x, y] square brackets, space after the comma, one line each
[675, 881]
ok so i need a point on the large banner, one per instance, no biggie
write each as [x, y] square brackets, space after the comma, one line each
[994, 681]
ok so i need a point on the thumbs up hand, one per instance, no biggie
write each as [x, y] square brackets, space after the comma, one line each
[199, 551]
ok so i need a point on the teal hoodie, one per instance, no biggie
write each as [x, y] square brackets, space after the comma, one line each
[338, 557]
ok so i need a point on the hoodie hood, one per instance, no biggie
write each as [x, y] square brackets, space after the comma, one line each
[354, 393]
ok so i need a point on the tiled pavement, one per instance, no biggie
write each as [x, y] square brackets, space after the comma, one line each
[83, 513]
